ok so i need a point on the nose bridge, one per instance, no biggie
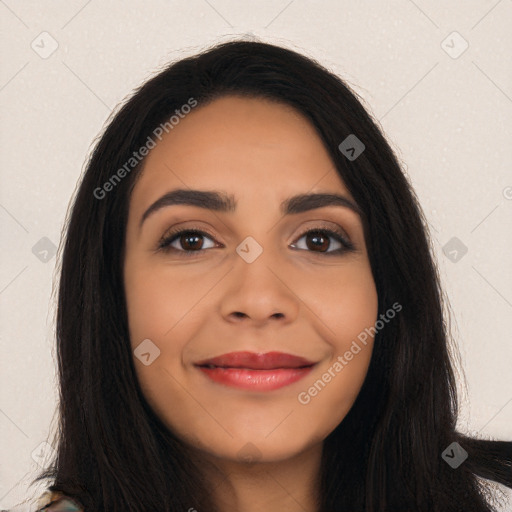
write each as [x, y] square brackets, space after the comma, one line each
[259, 289]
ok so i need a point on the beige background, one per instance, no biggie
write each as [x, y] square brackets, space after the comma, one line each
[446, 109]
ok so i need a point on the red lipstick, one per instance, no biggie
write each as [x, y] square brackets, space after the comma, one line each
[260, 372]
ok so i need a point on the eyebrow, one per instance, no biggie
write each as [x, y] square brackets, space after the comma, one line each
[225, 203]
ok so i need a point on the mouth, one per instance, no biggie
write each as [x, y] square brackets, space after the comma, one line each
[260, 372]
[253, 361]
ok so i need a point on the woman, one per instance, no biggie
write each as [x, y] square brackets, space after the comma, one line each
[249, 315]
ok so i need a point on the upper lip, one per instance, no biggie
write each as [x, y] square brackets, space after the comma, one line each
[254, 361]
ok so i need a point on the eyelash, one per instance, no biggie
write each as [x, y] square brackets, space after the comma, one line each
[166, 240]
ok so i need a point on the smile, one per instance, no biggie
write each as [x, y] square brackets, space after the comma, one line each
[259, 372]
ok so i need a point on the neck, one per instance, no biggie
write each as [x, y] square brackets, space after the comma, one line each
[289, 485]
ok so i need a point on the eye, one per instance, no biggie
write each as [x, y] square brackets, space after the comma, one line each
[319, 239]
[188, 239]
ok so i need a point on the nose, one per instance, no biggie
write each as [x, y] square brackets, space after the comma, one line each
[241, 314]
[259, 292]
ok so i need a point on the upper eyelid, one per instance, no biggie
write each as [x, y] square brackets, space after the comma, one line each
[333, 225]
[320, 225]
[169, 237]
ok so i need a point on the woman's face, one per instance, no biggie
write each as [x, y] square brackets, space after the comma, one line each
[255, 282]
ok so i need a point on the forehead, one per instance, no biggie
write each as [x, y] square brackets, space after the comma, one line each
[240, 144]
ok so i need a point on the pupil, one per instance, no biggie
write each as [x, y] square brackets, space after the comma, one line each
[316, 237]
[194, 237]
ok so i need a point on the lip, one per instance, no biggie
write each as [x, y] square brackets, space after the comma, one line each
[261, 372]
[253, 361]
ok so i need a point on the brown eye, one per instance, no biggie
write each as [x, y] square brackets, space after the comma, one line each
[319, 241]
[191, 241]
[186, 241]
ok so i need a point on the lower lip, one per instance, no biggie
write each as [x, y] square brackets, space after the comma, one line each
[259, 380]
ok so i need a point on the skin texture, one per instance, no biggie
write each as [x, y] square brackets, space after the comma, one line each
[302, 301]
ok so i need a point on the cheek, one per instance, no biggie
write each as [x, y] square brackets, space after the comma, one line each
[345, 302]
[353, 309]
[347, 306]
[154, 307]
[163, 307]
[155, 303]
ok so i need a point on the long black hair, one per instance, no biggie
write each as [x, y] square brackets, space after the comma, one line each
[114, 453]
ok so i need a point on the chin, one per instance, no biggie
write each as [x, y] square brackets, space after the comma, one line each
[251, 449]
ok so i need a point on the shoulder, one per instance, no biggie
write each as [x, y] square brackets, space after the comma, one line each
[53, 501]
